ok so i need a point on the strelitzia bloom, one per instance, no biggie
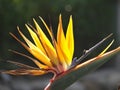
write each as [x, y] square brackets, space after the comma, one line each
[55, 55]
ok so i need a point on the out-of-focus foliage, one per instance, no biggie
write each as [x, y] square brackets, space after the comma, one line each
[93, 20]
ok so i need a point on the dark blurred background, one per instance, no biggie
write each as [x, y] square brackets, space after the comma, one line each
[93, 20]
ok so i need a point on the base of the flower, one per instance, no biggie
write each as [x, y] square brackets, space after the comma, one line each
[52, 80]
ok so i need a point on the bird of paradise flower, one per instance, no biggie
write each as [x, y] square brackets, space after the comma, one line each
[57, 56]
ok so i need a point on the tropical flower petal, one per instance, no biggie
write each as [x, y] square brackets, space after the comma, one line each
[46, 44]
[25, 72]
[61, 57]
[70, 38]
[60, 33]
[21, 65]
[62, 42]
[36, 52]
[40, 65]
[106, 48]
[49, 31]
[36, 39]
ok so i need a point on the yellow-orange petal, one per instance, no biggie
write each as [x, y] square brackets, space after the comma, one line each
[39, 64]
[61, 57]
[35, 39]
[60, 33]
[49, 31]
[106, 48]
[50, 50]
[36, 52]
[70, 38]
[62, 42]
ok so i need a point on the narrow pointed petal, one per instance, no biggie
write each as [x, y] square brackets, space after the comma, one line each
[39, 64]
[60, 33]
[22, 65]
[62, 42]
[64, 80]
[106, 48]
[47, 44]
[36, 52]
[35, 39]
[40, 56]
[61, 57]
[25, 72]
[49, 31]
[70, 38]
[29, 43]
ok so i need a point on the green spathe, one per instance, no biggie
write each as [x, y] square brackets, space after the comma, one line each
[64, 80]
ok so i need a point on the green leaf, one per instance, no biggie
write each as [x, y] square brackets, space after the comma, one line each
[66, 79]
